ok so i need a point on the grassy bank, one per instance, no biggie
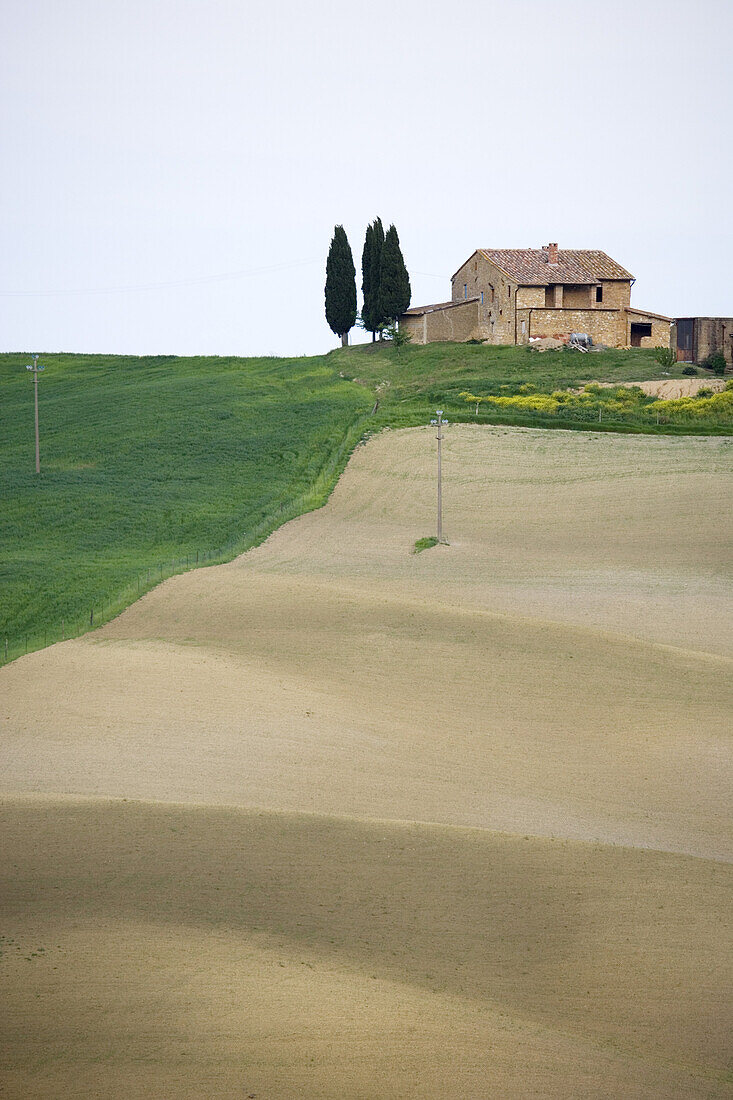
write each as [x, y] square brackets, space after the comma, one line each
[513, 385]
[153, 465]
[444, 371]
[148, 464]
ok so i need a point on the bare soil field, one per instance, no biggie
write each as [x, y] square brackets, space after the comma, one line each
[671, 388]
[341, 820]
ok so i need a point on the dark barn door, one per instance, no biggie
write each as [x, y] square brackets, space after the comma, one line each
[637, 331]
[685, 333]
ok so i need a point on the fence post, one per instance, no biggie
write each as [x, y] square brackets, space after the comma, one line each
[600, 413]
[6, 651]
[26, 643]
[91, 617]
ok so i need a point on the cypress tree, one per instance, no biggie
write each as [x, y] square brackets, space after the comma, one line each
[366, 280]
[340, 286]
[394, 282]
[370, 260]
[378, 244]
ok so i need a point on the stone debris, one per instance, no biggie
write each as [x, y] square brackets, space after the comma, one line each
[548, 343]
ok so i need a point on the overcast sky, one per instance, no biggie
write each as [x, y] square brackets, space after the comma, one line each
[173, 169]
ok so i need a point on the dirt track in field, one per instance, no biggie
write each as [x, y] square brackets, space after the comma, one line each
[454, 823]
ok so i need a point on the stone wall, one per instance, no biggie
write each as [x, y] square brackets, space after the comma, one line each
[606, 326]
[713, 334]
[616, 295]
[611, 327]
[458, 323]
[496, 294]
[530, 297]
[579, 297]
[660, 336]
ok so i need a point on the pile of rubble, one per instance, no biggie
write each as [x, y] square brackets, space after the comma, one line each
[579, 341]
[546, 343]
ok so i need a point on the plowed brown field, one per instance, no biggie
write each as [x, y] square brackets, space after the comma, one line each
[339, 820]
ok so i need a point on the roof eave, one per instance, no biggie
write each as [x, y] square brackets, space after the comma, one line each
[648, 313]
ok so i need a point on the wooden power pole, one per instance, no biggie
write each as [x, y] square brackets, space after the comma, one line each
[35, 368]
[440, 424]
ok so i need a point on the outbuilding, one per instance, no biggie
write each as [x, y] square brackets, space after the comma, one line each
[694, 338]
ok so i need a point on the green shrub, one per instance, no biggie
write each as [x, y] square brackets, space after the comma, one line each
[689, 369]
[666, 357]
[397, 337]
[715, 362]
[615, 404]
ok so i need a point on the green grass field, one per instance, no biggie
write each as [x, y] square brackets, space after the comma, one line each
[151, 464]
[148, 461]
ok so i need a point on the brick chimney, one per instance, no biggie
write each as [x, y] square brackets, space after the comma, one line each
[552, 253]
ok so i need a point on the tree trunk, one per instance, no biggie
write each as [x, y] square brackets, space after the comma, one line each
[344, 339]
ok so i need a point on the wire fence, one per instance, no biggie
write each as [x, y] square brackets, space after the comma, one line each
[102, 611]
[141, 582]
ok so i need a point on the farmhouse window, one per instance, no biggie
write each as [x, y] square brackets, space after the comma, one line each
[465, 290]
[599, 293]
[482, 297]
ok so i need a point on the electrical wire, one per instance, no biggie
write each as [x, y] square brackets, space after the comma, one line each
[197, 281]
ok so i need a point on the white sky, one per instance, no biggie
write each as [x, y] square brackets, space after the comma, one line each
[173, 142]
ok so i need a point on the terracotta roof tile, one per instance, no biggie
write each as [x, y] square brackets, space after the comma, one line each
[529, 266]
[416, 311]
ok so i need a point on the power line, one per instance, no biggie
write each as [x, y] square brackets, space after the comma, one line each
[197, 281]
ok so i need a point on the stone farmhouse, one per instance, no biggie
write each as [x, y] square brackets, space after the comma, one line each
[513, 295]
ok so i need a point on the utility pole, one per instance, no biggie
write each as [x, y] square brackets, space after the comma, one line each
[35, 368]
[440, 423]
